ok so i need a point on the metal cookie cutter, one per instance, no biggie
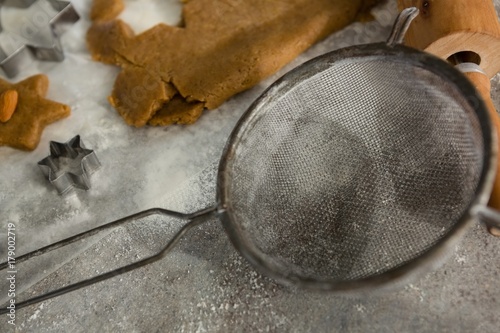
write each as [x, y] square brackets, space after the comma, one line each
[69, 165]
[34, 34]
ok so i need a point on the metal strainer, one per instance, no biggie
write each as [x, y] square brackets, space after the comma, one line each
[355, 170]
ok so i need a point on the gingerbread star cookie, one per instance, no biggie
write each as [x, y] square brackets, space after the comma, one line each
[30, 112]
[170, 74]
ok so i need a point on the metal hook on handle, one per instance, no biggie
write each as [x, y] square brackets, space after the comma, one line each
[491, 219]
[401, 25]
[194, 219]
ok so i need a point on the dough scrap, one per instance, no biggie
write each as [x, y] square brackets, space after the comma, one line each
[104, 10]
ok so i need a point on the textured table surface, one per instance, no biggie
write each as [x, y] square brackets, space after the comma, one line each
[204, 285]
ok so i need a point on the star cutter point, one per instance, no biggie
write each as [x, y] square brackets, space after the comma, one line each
[69, 165]
[47, 20]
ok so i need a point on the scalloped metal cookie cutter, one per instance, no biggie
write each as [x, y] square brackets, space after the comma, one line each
[69, 165]
[38, 34]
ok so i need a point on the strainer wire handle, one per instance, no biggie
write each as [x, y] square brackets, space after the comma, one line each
[194, 220]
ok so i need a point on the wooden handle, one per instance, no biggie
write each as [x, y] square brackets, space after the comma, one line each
[483, 85]
[448, 27]
[458, 31]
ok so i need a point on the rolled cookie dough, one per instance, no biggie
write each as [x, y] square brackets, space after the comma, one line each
[222, 48]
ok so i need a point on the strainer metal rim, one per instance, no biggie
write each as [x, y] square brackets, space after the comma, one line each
[395, 276]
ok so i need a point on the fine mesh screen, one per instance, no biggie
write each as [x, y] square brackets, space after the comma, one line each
[355, 171]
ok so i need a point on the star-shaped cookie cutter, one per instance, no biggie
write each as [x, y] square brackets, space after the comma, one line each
[37, 35]
[69, 165]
